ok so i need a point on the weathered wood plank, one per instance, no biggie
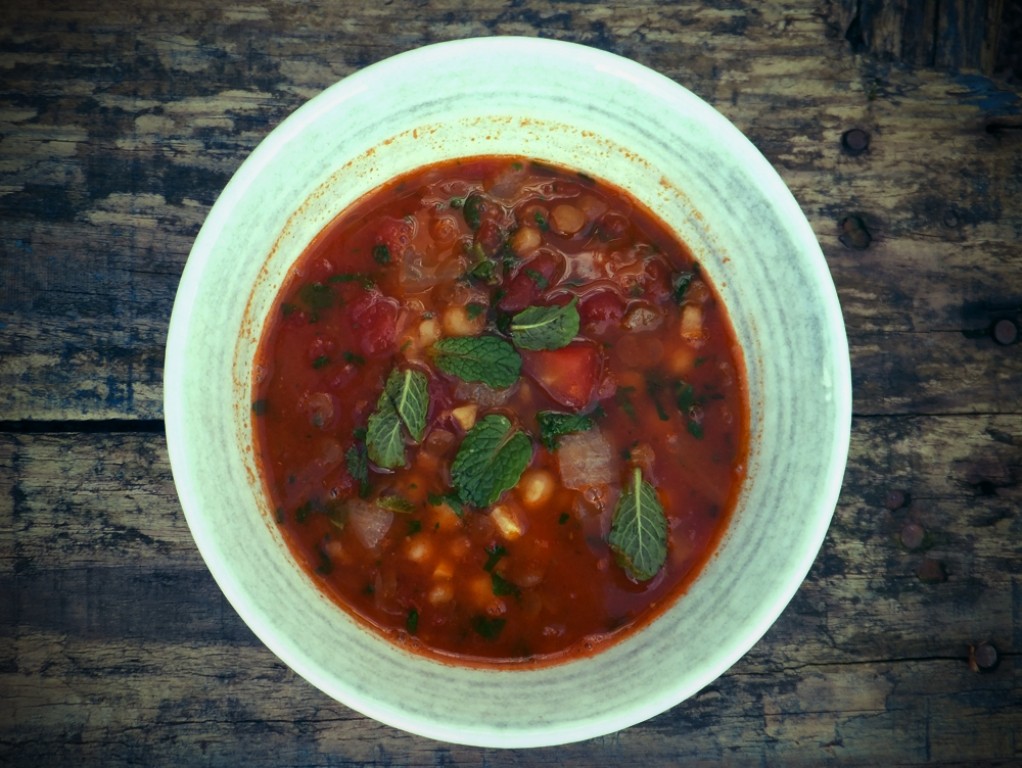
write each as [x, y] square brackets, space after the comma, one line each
[208, 705]
[108, 166]
[119, 647]
[953, 34]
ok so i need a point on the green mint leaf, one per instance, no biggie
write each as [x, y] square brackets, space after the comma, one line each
[409, 391]
[638, 532]
[680, 284]
[553, 424]
[395, 503]
[316, 296]
[384, 439]
[381, 254]
[412, 621]
[494, 554]
[487, 627]
[545, 327]
[402, 406]
[357, 459]
[472, 209]
[491, 460]
[488, 359]
[449, 499]
[502, 587]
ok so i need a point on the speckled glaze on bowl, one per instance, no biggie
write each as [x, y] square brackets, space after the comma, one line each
[613, 119]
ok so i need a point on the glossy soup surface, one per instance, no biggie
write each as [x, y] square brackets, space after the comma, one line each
[500, 413]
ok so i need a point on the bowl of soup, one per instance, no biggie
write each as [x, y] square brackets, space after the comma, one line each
[507, 392]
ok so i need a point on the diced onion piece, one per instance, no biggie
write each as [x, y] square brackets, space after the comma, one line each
[479, 393]
[691, 328]
[566, 219]
[536, 487]
[642, 317]
[465, 415]
[507, 521]
[586, 459]
[369, 522]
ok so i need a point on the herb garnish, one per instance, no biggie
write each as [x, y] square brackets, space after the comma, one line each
[686, 400]
[487, 627]
[680, 285]
[545, 327]
[553, 424]
[487, 359]
[472, 208]
[401, 408]
[638, 533]
[381, 254]
[494, 554]
[395, 503]
[449, 499]
[357, 459]
[502, 587]
[412, 621]
[491, 459]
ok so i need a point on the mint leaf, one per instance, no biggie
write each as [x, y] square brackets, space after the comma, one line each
[488, 359]
[395, 503]
[402, 406]
[491, 459]
[679, 286]
[487, 627]
[545, 327]
[638, 532]
[553, 424]
[409, 391]
[357, 459]
[502, 587]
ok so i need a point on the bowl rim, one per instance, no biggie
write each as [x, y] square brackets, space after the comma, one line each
[176, 361]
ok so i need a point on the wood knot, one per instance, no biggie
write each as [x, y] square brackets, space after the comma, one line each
[853, 233]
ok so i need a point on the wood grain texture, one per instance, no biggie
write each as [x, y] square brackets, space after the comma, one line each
[946, 34]
[121, 122]
[120, 650]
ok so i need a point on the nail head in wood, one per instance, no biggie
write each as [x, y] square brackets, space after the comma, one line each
[855, 141]
[1005, 331]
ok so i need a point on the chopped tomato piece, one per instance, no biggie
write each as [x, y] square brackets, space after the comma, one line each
[569, 375]
[374, 322]
[601, 311]
[533, 279]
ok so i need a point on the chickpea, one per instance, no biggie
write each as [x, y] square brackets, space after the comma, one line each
[525, 240]
[566, 219]
[419, 549]
[457, 321]
[536, 487]
[507, 521]
[429, 331]
[441, 592]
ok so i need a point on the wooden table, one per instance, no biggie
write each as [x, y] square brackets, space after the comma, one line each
[120, 123]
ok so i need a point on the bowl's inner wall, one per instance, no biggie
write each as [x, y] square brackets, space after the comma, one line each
[708, 184]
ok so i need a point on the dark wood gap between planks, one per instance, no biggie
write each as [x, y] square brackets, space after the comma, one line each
[82, 426]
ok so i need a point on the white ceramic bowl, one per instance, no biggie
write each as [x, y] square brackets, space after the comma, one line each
[615, 120]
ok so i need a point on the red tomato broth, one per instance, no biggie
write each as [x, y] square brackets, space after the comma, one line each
[454, 250]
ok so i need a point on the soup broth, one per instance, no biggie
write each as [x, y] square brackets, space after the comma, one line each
[500, 412]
